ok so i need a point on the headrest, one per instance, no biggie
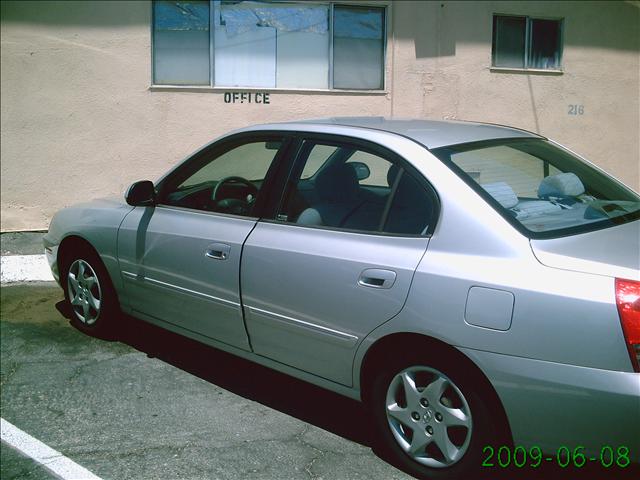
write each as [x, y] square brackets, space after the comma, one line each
[502, 192]
[338, 183]
[561, 185]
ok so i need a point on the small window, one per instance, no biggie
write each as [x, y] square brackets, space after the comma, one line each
[527, 43]
[260, 44]
[411, 209]
[355, 189]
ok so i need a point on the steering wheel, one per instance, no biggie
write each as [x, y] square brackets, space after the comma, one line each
[235, 205]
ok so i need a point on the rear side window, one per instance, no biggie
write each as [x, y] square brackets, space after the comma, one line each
[544, 190]
[342, 186]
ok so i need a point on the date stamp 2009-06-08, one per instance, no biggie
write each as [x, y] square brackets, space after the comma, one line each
[533, 457]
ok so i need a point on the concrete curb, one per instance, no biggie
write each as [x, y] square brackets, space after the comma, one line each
[24, 268]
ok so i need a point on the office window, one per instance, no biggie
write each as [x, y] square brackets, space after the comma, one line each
[181, 43]
[524, 42]
[261, 44]
[358, 47]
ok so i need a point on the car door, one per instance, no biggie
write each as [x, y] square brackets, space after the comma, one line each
[180, 259]
[338, 258]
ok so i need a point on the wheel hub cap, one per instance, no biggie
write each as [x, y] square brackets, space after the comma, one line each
[429, 416]
[85, 294]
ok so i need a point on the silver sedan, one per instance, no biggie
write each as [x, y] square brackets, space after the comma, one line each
[476, 286]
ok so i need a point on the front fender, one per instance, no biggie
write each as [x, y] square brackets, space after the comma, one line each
[95, 222]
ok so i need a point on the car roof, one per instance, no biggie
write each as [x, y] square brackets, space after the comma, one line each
[430, 133]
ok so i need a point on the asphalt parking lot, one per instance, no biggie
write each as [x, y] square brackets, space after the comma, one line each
[155, 405]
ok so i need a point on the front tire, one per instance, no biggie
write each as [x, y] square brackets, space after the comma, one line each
[89, 294]
[432, 420]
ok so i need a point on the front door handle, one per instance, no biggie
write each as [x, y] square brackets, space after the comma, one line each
[218, 251]
[377, 278]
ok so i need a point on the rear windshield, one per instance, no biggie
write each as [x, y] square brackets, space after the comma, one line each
[544, 190]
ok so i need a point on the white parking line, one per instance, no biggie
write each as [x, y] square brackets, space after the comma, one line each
[24, 268]
[46, 456]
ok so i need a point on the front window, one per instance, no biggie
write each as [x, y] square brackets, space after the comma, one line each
[228, 182]
[545, 190]
[298, 45]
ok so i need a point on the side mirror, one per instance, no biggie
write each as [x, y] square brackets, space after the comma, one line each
[141, 194]
[362, 170]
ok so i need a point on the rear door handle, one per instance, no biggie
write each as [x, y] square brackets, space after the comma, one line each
[377, 278]
[218, 251]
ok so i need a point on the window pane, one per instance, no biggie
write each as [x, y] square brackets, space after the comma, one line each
[378, 168]
[250, 161]
[508, 41]
[245, 48]
[317, 157]
[181, 43]
[271, 45]
[205, 189]
[302, 45]
[333, 197]
[411, 207]
[573, 194]
[358, 47]
[522, 171]
[545, 44]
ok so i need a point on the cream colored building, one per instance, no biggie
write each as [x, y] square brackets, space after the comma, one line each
[91, 102]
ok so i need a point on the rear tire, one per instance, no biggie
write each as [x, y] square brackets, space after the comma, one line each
[89, 293]
[432, 418]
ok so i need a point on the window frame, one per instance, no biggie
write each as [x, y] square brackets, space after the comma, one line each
[299, 139]
[385, 5]
[527, 44]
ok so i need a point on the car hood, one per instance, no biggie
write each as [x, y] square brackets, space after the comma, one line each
[613, 252]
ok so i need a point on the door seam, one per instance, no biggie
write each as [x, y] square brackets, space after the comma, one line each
[242, 306]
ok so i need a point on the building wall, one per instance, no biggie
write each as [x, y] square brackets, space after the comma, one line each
[79, 119]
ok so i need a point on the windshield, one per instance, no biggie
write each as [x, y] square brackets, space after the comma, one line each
[541, 188]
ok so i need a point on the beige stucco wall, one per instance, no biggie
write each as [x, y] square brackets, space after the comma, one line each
[80, 121]
[448, 75]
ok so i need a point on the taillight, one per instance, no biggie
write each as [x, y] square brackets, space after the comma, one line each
[628, 301]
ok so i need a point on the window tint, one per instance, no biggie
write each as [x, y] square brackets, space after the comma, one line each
[544, 188]
[358, 47]
[250, 161]
[317, 157]
[411, 207]
[181, 42]
[378, 168]
[508, 41]
[521, 170]
[524, 42]
[355, 189]
[228, 183]
[268, 44]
